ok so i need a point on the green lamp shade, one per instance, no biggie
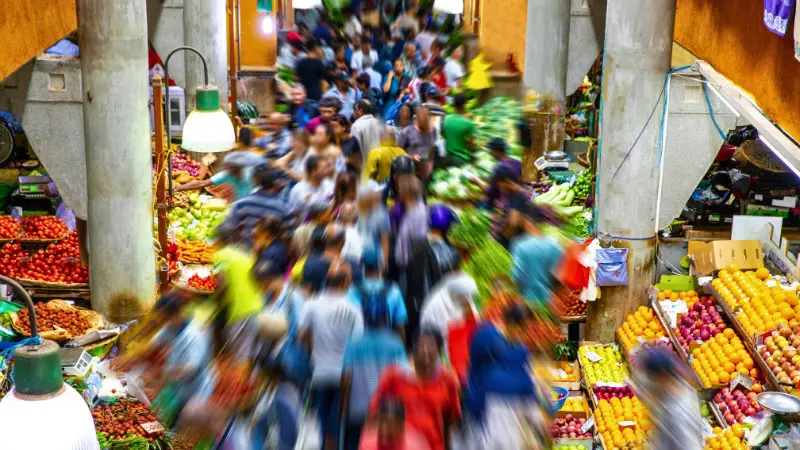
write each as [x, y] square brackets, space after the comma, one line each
[264, 6]
[208, 129]
[37, 369]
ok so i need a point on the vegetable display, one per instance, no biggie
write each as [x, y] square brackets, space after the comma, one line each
[489, 262]
[199, 221]
[9, 227]
[181, 162]
[43, 227]
[58, 263]
[472, 230]
[208, 283]
[583, 184]
[194, 251]
[459, 183]
[499, 117]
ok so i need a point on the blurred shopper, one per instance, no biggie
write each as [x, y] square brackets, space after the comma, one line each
[419, 141]
[459, 134]
[311, 71]
[429, 393]
[316, 189]
[237, 173]
[366, 129]
[302, 109]
[293, 164]
[379, 161]
[264, 202]
[391, 431]
[536, 259]
[373, 220]
[672, 402]
[327, 324]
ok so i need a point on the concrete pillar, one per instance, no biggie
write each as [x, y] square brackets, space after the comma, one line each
[547, 47]
[638, 54]
[204, 28]
[113, 37]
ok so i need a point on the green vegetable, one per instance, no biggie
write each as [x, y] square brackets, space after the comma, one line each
[489, 262]
[472, 230]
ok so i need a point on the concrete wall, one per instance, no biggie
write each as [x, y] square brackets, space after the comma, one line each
[165, 29]
[52, 117]
[692, 143]
[586, 32]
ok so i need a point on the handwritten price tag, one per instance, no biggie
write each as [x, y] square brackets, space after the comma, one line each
[152, 427]
[587, 425]
[593, 357]
[741, 380]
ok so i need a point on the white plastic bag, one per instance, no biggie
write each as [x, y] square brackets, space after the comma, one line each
[308, 437]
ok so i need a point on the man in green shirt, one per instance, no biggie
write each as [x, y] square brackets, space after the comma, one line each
[459, 133]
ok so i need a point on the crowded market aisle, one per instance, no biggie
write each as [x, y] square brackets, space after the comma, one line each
[377, 265]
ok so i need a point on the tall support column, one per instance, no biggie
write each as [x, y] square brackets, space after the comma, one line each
[205, 28]
[638, 55]
[113, 37]
[547, 47]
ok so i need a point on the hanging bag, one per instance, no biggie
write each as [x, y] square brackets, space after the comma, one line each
[612, 267]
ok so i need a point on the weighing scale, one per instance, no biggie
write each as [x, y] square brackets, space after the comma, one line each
[75, 362]
[36, 196]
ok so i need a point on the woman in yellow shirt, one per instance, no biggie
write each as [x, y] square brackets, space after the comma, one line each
[379, 160]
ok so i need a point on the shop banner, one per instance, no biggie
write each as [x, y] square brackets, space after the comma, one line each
[776, 15]
[797, 35]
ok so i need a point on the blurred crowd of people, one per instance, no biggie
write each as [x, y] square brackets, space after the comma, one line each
[336, 281]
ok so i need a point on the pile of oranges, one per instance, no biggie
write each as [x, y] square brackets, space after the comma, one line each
[763, 308]
[610, 413]
[727, 439]
[669, 294]
[641, 324]
[717, 360]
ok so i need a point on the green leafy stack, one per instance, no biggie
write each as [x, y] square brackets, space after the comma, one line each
[489, 262]
[472, 230]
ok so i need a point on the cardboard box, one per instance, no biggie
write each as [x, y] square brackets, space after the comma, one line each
[709, 257]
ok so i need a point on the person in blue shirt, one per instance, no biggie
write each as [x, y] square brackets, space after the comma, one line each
[237, 174]
[365, 358]
[345, 93]
[375, 286]
[536, 260]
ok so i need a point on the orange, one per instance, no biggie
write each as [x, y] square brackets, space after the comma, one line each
[729, 333]
[662, 296]
[729, 367]
[721, 339]
[724, 378]
[738, 430]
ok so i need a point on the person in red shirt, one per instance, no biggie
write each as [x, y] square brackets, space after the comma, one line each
[391, 432]
[429, 392]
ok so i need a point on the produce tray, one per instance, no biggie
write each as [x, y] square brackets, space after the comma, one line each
[94, 320]
[585, 414]
[50, 284]
[717, 414]
[670, 331]
[23, 240]
[772, 381]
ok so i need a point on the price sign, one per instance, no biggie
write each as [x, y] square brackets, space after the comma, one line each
[707, 430]
[152, 427]
[587, 425]
[593, 357]
[741, 380]
[561, 374]
[627, 423]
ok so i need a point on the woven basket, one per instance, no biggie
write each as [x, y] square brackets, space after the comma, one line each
[50, 284]
[60, 335]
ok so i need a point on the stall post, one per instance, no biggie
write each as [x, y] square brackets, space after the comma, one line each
[161, 194]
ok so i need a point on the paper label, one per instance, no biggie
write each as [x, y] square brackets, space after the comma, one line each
[593, 357]
[707, 430]
[627, 423]
[741, 380]
[587, 425]
[152, 427]
[610, 384]
[771, 283]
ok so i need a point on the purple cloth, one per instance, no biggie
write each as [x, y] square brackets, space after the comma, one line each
[776, 15]
[414, 225]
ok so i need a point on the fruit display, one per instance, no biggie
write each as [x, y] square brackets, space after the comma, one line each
[729, 438]
[609, 392]
[9, 227]
[208, 283]
[716, 361]
[737, 404]
[59, 262]
[702, 322]
[569, 427]
[763, 308]
[200, 220]
[780, 351]
[573, 305]
[124, 420]
[623, 423]
[602, 363]
[489, 262]
[194, 251]
[59, 317]
[43, 228]
[561, 372]
[235, 385]
[572, 405]
[642, 325]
